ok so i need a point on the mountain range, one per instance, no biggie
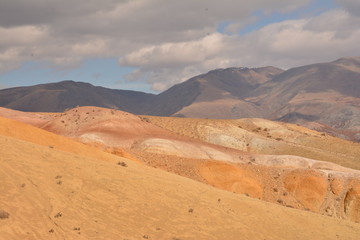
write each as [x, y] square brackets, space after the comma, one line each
[321, 96]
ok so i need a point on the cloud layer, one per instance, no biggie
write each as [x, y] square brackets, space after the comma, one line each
[286, 44]
[169, 41]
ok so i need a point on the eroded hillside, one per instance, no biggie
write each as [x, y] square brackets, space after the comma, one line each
[56, 194]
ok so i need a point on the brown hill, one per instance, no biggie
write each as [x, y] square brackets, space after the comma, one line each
[325, 93]
[56, 97]
[216, 94]
[52, 194]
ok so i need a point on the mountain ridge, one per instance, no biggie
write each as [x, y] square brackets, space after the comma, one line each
[56, 97]
[325, 95]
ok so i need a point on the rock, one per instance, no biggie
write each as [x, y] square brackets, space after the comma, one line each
[352, 204]
[308, 187]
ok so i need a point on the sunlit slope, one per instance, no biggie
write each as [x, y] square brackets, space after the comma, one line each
[113, 128]
[51, 194]
[265, 137]
[266, 177]
[35, 135]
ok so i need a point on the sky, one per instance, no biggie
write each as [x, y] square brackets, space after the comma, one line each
[150, 45]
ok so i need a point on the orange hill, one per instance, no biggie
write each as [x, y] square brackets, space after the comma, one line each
[52, 194]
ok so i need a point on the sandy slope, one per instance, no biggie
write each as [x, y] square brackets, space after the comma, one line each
[118, 130]
[50, 194]
[124, 130]
[35, 135]
[35, 119]
[265, 137]
[331, 193]
[266, 177]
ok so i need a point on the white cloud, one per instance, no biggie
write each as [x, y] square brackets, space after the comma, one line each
[10, 59]
[93, 47]
[303, 41]
[169, 41]
[67, 31]
[285, 44]
[22, 35]
[176, 54]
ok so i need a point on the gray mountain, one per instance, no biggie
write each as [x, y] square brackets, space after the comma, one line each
[217, 94]
[323, 96]
[325, 93]
[56, 97]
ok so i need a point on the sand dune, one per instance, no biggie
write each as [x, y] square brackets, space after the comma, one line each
[35, 119]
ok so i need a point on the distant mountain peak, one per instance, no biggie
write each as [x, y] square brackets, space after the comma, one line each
[348, 60]
[328, 93]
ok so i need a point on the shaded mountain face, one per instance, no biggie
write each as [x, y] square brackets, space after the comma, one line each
[326, 93]
[221, 89]
[324, 96]
[56, 97]
[218, 94]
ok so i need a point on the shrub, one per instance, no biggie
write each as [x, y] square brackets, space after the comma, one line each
[4, 214]
[123, 164]
[59, 214]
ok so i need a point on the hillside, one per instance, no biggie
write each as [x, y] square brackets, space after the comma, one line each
[56, 97]
[216, 94]
[52, 194]
[221, 153]
[263, 136]
[326, 93]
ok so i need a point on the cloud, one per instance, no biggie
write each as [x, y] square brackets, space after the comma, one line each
[64, 33]
[21, 35]
[296, 42]
[169, 41]
[285, 44]
[352, 6]
[52, 12]
[175, 54]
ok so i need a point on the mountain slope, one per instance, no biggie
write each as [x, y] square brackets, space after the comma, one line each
[227, 87]
[327, 93]
[322, 96]
[216, 94]
[56, 97]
